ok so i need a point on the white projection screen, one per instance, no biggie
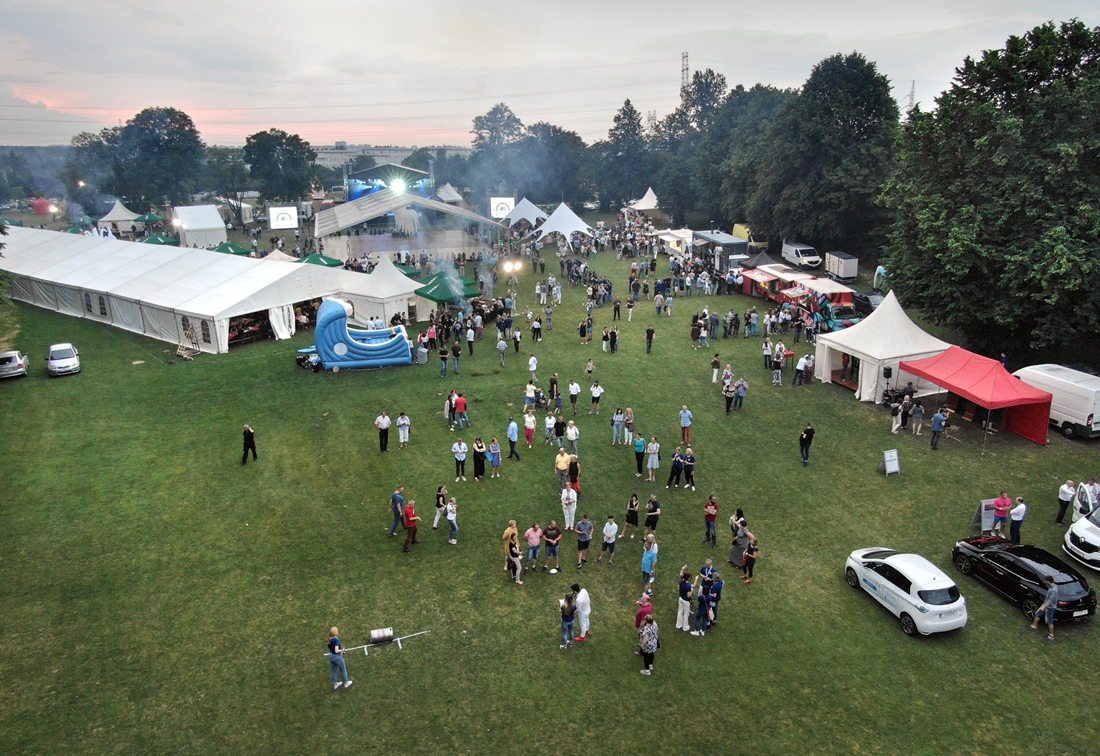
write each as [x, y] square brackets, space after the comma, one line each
[282, 217]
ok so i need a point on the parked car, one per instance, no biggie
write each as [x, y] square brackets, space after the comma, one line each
[867, 303]
[1016, 571]
[1082, 540]
[914, 590]
[13, 364]
[62, 359]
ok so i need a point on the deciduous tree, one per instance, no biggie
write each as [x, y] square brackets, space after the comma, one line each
[281, 163]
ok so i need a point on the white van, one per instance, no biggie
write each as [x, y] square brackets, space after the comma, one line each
[800, 255]
[1075, 408]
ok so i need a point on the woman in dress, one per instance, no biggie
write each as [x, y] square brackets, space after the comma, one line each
[654, 452]
[628, 424]
[617, 426]
[582, 329]
[480, 451]
[639, 452]
[494, 457]
[689, 469]
[632, 515]
[740, 530]
[676, 469]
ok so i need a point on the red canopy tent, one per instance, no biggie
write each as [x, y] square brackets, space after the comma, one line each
[41, 206]
[986, 383]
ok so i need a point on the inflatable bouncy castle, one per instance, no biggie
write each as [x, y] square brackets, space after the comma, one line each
[342, 347]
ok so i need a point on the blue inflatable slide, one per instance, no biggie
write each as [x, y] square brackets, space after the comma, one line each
[341, 347]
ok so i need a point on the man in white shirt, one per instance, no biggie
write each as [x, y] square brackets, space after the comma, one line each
[1093, 490]
[533, 365]
[584, 609]
[459, 449]
[799, 371]
[569, 506]
[574, 392]
[1065, 497]
[597, 392]
[1016, 519]
[610, 531]
[382, 423]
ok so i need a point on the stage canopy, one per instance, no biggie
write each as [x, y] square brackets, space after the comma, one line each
[882, 339]
[564, 221]
[986, 383]
[383, 202]
[525, 210]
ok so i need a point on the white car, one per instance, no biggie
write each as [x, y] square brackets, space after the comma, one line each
[13, 364]
[62, 359]
[1082, 541]
[915, 591]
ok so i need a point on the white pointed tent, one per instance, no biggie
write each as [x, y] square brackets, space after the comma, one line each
[525, 210]
[199, 225]
[277, 256]
[118, 214]
[885, 338]
[448, 193]
[565, 222]
[648, 202]
[385, 292]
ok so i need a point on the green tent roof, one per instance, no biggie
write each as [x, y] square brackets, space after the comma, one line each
[447, 290]
[408, 270]
[10, 222]
[229, 248]
[316, 259]
[161, 239]
[148, 218]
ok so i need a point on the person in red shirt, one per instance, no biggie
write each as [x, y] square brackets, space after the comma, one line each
[710, 513]
[460, 412]
[411, 520]
[1001, 507]
[645, 608]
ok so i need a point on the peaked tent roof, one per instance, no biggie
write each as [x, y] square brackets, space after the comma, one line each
[277, 256]
[319, 259]
[376, 204]
[648, 202]
[525, 210]
[980, 379]
[446, 290]
[760, 260]
[387, 281]
[198, 217]
[448, 193]
[118, 212]
[886, 334]
[565, 222]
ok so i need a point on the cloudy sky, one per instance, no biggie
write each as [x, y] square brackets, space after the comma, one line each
[417, 73]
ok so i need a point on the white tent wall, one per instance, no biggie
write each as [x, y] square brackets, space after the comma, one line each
[22, 289]
[68, 300]
[203, 237]
[44, 294]
[96, 306]
[126, 313]
[282, 321]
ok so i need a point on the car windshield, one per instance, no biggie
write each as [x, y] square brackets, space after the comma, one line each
[940, 596]
[881, 554]
[1094, 517]
[62, 354]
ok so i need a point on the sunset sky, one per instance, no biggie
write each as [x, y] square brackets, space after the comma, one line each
[417, 73]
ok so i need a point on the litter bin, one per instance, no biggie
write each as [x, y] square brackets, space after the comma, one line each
[422, 356]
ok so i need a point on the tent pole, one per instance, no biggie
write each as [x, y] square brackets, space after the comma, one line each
[985, 430]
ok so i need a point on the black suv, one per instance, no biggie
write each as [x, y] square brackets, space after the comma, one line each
[1015, 571]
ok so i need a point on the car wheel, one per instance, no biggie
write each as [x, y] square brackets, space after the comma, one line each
[963, 564]
[1068, 430]
[908, 626]
[1030, 607]
[851, 577]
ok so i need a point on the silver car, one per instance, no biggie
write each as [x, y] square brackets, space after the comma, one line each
[62, 359]
[13, 364]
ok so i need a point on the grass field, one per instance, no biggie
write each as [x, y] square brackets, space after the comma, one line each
[158, 597]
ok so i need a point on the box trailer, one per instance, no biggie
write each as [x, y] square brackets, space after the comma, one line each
[840, 266]
[1075, 408]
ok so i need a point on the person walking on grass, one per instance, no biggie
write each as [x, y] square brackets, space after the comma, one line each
[685, 424]
[412, 519]
[513, 437]
[572, 435]
[452, 520]
[652, 515]
[250, 444]
[533, 366]
[597, 392]
[502, 347]
[568, 614]
[382, 423]
[939, 425]
[529, 422]
[649, 642]
[397, 506]
[552, 537]
[649, 334]
[1046, 609]
[403, 426]
[584, 530]
[459, 449]
[610, 531]
[533, 537]
[805, 439]
[336, 659]
[710, 517]
[440, 506]
[569, 506]
[654, 463]
[574, 392]
[584, 609]
[512, 553]
[916, 417]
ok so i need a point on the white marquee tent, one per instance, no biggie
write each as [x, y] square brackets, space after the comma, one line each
[199, 225]
[448, 193]
[525, 210]
[160, 291]
[647, 202]
[565, 222]
[885, 338]
[384, 292]
[118, 214]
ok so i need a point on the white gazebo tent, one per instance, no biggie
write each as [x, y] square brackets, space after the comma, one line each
[383, 293]
[199, 225]
[647, 202]
[564, 221]
[448, 194]
[525, 210]
[118, 214]
[885, 338]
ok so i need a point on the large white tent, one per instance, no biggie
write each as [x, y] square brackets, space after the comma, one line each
[525, 210]
[199, 225]
[647, 202]
[385, 292]
[119, 214]
[885, 338]
[564, 221]
[160, 291]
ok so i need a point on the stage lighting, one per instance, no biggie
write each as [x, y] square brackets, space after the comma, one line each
[398, 186]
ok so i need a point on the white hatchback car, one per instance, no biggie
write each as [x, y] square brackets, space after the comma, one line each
[1082, 541]
[13, 364]
[62, 359]
[915, 591]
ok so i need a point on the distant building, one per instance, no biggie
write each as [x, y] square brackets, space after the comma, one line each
[343, 153]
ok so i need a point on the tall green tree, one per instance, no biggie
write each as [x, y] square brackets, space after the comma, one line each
[624, 159]
[281, 163]
[828, 154]
[553, 161]
[419, 160]
[498, 127]
[226, 173]
[997, 198]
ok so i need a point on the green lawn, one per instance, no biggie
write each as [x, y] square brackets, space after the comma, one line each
[159, 598]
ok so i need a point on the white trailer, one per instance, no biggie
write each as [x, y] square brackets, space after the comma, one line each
[840, 266]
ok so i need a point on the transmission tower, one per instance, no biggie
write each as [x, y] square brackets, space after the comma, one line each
[912, 97]
[651, 121]
[685, 74]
